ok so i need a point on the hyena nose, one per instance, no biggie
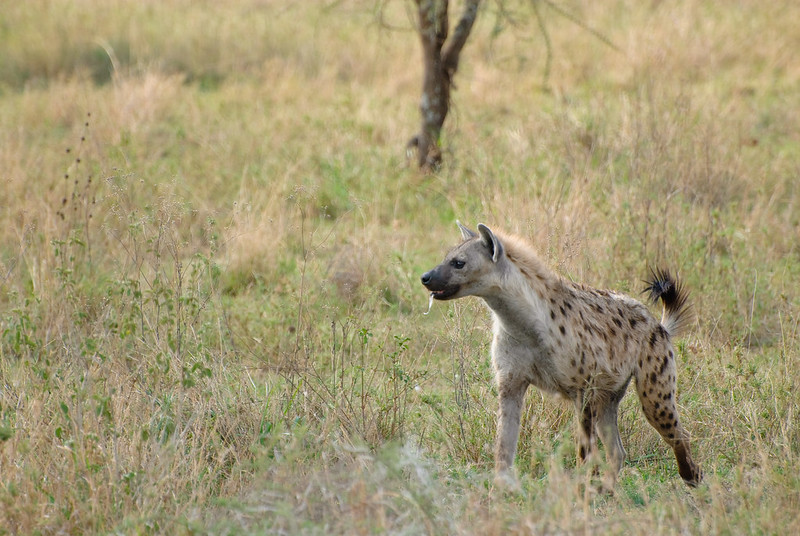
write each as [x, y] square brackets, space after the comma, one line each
[426, 278]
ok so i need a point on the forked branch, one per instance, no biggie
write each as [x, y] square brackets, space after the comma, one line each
[440, 61]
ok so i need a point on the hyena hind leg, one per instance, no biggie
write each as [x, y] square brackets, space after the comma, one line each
[656, 388]
[587, 442]
[608, 430]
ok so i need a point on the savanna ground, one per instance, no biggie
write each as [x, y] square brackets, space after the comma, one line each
[211, 241]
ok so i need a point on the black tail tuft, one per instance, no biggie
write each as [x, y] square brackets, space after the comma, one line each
[662, 286]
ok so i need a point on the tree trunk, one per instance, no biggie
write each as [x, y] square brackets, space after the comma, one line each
[440, 66]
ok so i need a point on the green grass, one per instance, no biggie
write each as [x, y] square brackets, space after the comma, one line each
[210, 310]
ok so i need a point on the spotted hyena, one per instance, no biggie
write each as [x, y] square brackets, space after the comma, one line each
[566, 338]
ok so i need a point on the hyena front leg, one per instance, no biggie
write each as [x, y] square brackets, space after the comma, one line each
[656, 385]
[512, 395]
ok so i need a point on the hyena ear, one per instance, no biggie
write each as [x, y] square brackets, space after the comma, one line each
[491, 241]
[466, 233]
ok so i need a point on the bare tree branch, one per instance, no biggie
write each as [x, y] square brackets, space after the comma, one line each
[440, 67]
[459, 39]
[575, 20]
[547, 44]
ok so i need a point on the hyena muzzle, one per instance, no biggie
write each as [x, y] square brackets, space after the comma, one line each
[582, 343]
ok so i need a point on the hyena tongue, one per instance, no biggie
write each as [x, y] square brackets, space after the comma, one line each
[430, 304]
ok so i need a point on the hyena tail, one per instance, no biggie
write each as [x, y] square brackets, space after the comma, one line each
[677, 310]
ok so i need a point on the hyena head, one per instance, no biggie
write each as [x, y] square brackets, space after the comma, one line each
[469, 269]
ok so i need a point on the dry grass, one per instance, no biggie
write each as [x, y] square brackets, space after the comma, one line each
[210, 315]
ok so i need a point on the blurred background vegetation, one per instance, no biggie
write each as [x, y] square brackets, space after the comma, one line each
[211, 239]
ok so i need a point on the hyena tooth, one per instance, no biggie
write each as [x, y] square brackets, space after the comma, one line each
[430, 304]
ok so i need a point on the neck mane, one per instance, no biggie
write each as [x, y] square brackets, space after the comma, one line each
[522, 306]
[524, 258]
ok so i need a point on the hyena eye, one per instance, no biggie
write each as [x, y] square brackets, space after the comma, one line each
[457, 264]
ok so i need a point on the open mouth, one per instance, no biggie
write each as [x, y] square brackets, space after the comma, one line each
[443, 294]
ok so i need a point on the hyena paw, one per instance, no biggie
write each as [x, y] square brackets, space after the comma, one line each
[506, 480]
